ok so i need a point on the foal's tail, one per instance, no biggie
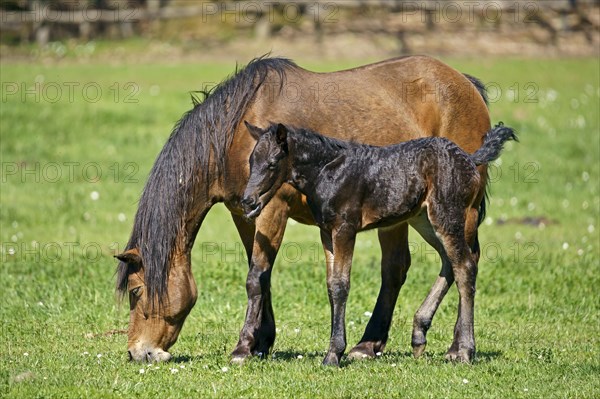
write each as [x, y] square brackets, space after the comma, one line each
[492, 144]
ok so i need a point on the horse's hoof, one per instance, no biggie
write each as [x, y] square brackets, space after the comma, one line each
[358, 355]
[418, 350]
[238, 359]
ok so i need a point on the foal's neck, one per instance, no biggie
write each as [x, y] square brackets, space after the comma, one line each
[310, 153]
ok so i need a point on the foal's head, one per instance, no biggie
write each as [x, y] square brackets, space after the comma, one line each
[269, 165]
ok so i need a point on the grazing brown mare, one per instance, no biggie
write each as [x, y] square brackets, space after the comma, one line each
[205, 161]
[429, 183]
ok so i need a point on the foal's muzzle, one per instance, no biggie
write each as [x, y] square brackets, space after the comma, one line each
[251, 207]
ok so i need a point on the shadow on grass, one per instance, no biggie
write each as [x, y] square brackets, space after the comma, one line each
[295, 355]
[406, 356]
[482, 357]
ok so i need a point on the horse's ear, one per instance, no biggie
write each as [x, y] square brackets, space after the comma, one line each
[131, 257]
[281, 134]
[255, 131]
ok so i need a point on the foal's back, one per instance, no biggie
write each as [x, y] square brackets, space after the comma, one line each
[383, 186]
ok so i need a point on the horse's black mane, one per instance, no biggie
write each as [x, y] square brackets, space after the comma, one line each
[183, 163]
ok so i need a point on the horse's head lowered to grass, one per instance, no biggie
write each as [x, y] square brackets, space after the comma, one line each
[154, 324]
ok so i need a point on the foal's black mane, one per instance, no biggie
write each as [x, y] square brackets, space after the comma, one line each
[317, 140]
[183, 163]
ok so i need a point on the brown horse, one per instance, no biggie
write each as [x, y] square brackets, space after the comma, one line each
[205, 161]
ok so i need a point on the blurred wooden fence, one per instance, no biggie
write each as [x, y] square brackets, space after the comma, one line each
[43, 21]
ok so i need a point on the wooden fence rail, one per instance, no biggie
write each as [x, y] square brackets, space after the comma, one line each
[43, 20]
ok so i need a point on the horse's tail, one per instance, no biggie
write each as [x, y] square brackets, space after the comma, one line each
[480, 88]
[493, 142]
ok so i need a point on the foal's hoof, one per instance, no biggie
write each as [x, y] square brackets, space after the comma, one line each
[331, 360]
[239, 356]
[460, 356]
[418, 350]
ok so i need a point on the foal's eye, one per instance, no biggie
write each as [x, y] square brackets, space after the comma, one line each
[272, 165]
[136, 291]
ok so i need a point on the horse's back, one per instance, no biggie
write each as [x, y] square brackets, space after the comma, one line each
[380, 104]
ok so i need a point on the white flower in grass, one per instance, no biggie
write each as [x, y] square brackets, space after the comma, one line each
[465, 381]
[299, 356]
[518, 235]
[585, 176]
[142, 371]
[565, 245]
[591, 228]
[154, 90]
[25, 354]
[182, 366]
[224, 369]
[378, 354]
[580, 252]
[296, 330]
[94, 195]
[393, 364]
[368, 314]
[85, 353]
[99, 355]
[173, 371]
[121, 217]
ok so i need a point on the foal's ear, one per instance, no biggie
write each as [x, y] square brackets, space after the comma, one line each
[255, 131]
[281, 134]
[131, 257]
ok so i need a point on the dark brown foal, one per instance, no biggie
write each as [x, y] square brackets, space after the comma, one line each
[350, 187]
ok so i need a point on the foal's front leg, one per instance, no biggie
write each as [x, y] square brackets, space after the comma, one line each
[339, 247]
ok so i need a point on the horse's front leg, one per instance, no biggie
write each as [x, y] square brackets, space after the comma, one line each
[258, 333]
[339, 247]
[395, 262]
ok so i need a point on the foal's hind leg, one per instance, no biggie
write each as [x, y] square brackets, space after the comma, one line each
[262, 241]
[395, 262]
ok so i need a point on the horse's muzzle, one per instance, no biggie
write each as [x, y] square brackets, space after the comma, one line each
[148, 355]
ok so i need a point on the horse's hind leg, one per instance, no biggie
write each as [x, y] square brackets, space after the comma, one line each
[262, 241]
[424, 315]
[453, 233]
[395, 262]
[465, 270]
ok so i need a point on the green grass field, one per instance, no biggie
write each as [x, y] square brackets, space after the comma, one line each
[77, 143]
